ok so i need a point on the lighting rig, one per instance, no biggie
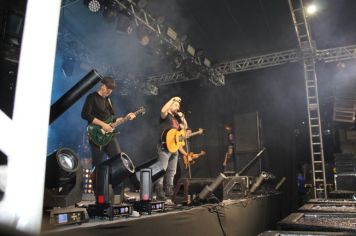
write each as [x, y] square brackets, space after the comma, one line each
[164, 41]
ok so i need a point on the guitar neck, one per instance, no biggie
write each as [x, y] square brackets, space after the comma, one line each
[119, 122]
[194, 133]
[123, 120]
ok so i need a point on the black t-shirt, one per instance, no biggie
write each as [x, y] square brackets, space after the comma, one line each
[97, 106]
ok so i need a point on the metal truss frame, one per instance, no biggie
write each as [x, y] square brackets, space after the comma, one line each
[262, 61]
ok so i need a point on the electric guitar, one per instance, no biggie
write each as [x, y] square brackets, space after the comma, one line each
[174, 139]
[189, 159]
[100, 137]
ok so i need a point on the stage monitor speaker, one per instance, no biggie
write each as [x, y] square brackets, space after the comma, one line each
[146, 185]
[247, 132]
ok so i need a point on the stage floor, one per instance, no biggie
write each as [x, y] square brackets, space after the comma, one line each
[247, 216]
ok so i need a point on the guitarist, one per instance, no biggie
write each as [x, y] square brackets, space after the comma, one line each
[98, 108]
[169, 119]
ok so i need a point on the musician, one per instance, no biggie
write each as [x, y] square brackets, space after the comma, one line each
[98, 108]
[170, 118]
[229, 164]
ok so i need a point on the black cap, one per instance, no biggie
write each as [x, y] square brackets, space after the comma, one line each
[109, 82]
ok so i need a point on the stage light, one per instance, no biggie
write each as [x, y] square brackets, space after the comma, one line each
[143, 35]
[191, 50]
[94, 5]
[112, 171]
[63, 183]
[62, 166]
[311, 9]
[209, 189]
[150, 89]
[207, 62]
[171, 33]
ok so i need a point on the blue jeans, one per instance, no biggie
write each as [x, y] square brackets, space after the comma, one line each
[169, 163]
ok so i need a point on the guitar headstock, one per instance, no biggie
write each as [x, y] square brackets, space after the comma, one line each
[140, 110]
[202, 153]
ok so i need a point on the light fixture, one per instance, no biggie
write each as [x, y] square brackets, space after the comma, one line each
[311, 9]
[94, 5]
[112, 171]
[207, 62]
[171, 33]
[143, 35]
[209, 189]
[191, 50]
[63, 183]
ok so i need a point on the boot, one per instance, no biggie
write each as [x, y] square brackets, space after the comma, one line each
[160, 195]
[169, 190]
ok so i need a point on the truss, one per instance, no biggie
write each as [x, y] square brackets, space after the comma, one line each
[262, 61]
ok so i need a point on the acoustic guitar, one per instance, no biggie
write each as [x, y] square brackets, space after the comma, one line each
[100, 137]
[174, 139]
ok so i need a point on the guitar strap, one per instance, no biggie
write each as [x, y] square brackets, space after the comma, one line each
[110, 106]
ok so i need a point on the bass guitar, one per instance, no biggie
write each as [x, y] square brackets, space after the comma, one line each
[189, 159]
[100, 137]
[174, 139]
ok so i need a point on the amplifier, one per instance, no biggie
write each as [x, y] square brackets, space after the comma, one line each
[345, 181]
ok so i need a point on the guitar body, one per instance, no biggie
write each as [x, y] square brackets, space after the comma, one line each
[98, 136]
[173, 139]
[101, 138]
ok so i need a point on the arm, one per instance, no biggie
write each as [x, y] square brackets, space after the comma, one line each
[165, 108]
[182, 151]
[184, 124]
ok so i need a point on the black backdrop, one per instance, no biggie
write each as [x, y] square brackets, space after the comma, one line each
[276, 93]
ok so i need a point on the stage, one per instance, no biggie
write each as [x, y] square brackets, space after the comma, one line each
[247, 216]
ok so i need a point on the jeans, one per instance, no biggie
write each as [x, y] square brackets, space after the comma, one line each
[169, 163]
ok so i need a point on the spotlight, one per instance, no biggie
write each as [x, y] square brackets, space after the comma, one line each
[209, 189]
[311, 9]
[171, 33]
[113, 171]
[207, 62]
[63, 185]
[62, 165]
[150, 89]
[191, 50]
[94, 5]
[263, 176]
